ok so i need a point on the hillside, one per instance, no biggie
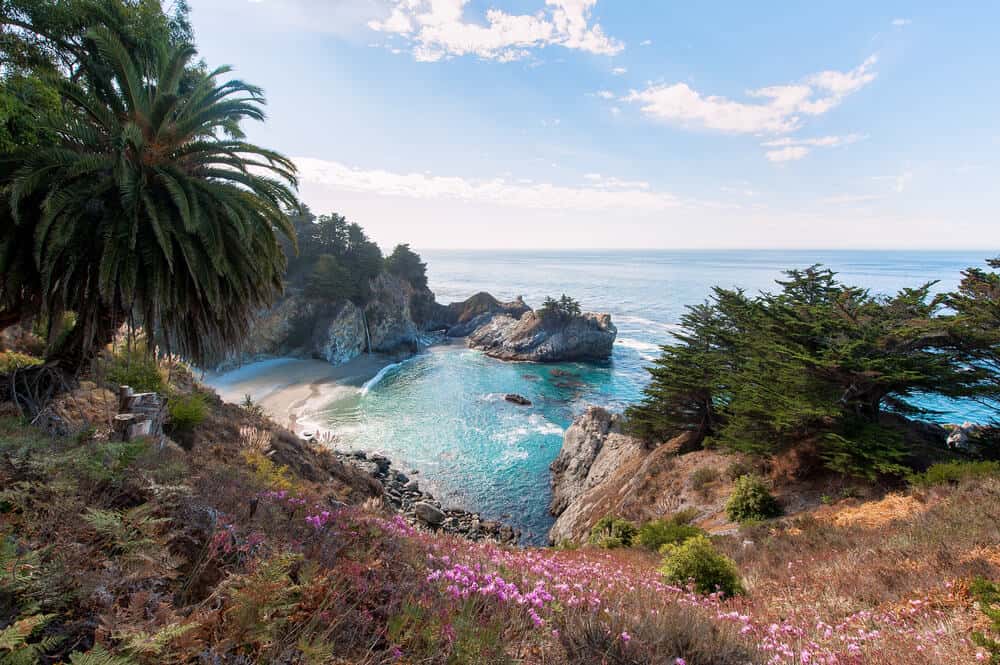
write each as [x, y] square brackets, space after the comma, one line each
[247, 545]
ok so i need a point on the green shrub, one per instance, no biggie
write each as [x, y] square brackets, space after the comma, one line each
[738, 469]
[654, 535]
[10, 361]
[751, 500]
[697, 561]
[187, 411]
[953, 472]
[135, 368]
[611, 532]
[703, 477]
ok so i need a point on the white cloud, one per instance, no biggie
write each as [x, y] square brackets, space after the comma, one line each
[781, 112]
[789, 148]
[849, 199]
[605, 94]
[789, 154]
[646, 42]
[619, 71]
[438, 29]
[596, 193]
[900, 22]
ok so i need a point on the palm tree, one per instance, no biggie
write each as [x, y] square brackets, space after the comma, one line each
[154, 209]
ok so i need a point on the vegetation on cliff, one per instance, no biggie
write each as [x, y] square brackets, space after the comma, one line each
[823, 362]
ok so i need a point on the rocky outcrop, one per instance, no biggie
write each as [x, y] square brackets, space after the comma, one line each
[535, 338]
[338, 331]
[479, 310]
[601, 471]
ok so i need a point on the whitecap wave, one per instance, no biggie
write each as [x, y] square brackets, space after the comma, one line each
[648, 323]
[382, 373]
[637, 345]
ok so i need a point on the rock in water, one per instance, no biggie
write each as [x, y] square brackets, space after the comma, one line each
[429, 513]
[533, 338]
[520, 400]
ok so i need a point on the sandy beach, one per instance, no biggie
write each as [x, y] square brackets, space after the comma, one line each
[288, 388]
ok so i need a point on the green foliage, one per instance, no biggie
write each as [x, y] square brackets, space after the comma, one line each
[136, 367]
[335, 260]
[751, 501]
[697, 561]
[187, 411]
[405, 263]
[820, 360]
[612, 532]
[251, 407]
[99, 656]
[171, 220]
[10, 361]
[670, 531]
[553, 310]
[702, 477]
[16, 647]
[987, 596]
[945, 473]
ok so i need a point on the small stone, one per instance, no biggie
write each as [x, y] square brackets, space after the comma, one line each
[520, 400]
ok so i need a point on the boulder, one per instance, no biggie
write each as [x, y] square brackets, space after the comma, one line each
[429, 514]
[520, 400]
[534, 338]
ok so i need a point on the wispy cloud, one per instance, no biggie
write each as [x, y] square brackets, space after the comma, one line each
[437, 29]
[900, 22]
[596, 192]
[782, 110]
[790, 148]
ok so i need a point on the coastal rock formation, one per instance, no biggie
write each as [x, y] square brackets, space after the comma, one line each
[466, 316]
[601, 471]
[420, 508]
[338, 331]
[535, 338]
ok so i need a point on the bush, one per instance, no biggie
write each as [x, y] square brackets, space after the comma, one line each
[654, 535]
[10, 361]
[954, 472]
[136, 368]
[612, 532]
[559, 310]
[697, 561]
[751, 500]
[738, 469]
[703, 477]
[987, 596]
[187, 411]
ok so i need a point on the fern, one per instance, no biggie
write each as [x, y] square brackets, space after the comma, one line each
[99, 656]
[15, 648]
[153, 644]
[137, 537]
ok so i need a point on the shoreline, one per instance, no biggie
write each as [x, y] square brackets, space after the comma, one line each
[289, 388]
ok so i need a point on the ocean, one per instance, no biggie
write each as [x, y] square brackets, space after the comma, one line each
[442, 413]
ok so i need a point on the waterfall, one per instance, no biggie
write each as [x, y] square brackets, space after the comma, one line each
[368, 335]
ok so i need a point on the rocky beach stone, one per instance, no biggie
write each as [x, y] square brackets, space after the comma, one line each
[429, 513]
[419, 508]
[520, 400]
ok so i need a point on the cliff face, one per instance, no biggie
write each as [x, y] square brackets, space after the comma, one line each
[396, 315]
[339, 331]
[530, 337]
[601, 471]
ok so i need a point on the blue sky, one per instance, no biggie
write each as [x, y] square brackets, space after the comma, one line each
[630, 123]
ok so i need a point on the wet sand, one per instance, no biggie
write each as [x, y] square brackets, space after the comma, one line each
[289, 388]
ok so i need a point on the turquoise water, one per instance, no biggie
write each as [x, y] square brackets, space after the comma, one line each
[442, 413]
